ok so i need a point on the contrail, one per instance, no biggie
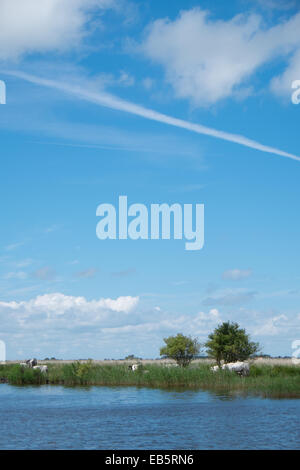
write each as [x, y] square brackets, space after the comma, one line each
[113, 102]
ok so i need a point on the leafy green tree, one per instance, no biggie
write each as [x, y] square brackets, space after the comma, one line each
[180, 348]
[230, 343]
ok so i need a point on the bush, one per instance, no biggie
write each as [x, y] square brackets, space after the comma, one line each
[180, 348]
[230, 343]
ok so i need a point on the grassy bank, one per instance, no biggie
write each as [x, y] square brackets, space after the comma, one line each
[264, 380]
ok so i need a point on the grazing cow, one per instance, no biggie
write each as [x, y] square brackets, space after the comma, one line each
[133, 367]
[240, 368]
[43, 369]
[31, 363]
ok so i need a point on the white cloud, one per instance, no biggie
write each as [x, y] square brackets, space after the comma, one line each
[207, 60]
[273, 326]
[74, 325]
[70, 327]
[60, 304]
[199, 324]
[282, 84]
[236, 274]
[64, 325]
[42, 26]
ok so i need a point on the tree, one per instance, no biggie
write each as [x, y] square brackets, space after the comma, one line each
[230, 343]
[180, 348]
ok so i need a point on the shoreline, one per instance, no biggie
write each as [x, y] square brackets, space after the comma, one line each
[265, 380]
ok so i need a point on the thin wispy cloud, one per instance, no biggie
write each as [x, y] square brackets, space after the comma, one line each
[45, 273]
[236, 274]
[13, 246]
[86, 274]
[20, 275]
[113, 102]
[124, 273]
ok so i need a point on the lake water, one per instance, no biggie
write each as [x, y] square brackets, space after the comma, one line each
[54, 417]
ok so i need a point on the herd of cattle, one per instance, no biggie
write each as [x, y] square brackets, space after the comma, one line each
[240, 368]
[32, 364]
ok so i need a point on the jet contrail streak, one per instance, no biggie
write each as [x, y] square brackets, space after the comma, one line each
[113, 102]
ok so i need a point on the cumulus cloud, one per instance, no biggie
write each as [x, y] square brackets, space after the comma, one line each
[41, 26]
[273, 326]
[236, 274]
[198, 325]
[60, 304]
[282, 83]
[207, 60]
[70, 326]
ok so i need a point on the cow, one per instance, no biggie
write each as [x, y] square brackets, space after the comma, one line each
[133, 367]
[31, 363]
[43, 369]
[240, 368]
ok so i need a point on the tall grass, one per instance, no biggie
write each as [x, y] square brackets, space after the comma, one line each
[18, 375]
[264, 380]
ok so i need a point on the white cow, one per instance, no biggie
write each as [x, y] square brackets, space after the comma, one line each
[43, 369]
[240, 368]
[133, 367]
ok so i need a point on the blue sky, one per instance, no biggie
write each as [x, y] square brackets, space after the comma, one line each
[72, 138]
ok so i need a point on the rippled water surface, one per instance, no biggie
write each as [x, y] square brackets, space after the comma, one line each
[54, 417]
